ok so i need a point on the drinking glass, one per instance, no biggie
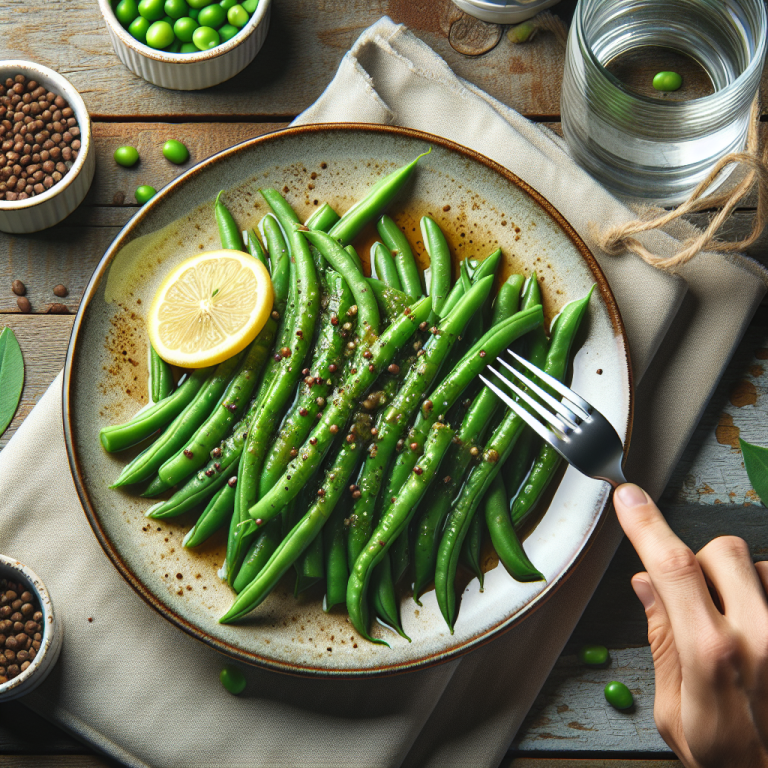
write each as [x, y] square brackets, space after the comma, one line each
[649, 148]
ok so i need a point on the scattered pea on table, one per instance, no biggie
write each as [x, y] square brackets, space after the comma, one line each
[126, 156]
[593, 655]
[233, 680]
[144, 193]
[667, 81]
[618, 695]
[175, 151]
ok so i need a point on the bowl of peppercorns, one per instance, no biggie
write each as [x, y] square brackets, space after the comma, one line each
[30, 631]
[46, 159]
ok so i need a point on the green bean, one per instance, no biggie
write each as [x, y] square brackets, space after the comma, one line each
[384, 266]
[384, 597]
[394, 520]
[323, 218]
[368, 310]
[231, 406]
[279, 260]
[229, 233]
[118, 437]
[547, 461]
[254, 246]
[405, 262]
[257, 556]
[363, 373]
[316, 387]
[182, 427]
[495, 341]
[160, 376]
[155, 488]
[487, 266]
[439, 262]
[301, 318]
[350, 249]
[479, 416]
[496, 452]
[393, 423]
[216, 515]
[309, 565]
[391, 302]
[300, 536]
[503, 537]
[336, 569]
[470, 548]
[378, 197]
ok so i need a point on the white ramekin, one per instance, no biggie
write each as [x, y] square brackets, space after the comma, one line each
[189, 71]
[45, 210]
[504, 11]
[50, 646]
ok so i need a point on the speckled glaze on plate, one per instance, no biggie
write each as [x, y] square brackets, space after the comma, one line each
[481, 206]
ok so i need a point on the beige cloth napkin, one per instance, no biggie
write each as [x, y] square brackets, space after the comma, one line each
[145, 693]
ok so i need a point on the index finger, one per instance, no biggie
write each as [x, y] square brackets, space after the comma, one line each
[672, 566]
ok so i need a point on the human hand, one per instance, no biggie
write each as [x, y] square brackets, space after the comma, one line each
[710, 662]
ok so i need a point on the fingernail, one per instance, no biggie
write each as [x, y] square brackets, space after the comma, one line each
[644, 592]
[631, 495]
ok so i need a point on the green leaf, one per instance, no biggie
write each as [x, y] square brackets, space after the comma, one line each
[11, 376]
[756, 463]
[214, 293]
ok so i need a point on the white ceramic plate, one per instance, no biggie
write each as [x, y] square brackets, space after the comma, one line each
[481, 206]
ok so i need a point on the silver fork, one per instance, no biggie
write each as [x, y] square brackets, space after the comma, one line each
[577, 430]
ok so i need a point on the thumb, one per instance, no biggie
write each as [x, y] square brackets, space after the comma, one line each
[666, 662]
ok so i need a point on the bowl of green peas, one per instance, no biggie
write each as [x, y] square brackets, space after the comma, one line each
[186, 45]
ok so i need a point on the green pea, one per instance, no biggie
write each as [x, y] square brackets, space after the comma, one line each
[176, 9]
[151, 9]
[205, 38]
[144, 193]
[126, 11]
[126, 156]
[160, 35]
[189, 48]
[139, 27]
[227, 4]
[198, 4]
[227, 32]
[212, 16]
[237, 16]
[251, 6]
[175, 151]
[184, 28]
[193, 13]
[593, 655]
[618, 695]
[174, 47]
[667, 81]
[233, 680]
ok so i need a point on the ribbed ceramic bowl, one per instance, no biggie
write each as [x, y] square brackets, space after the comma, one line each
[480, 206]
[189, 71]
[43, 211]
[503, 12]
[50, 647]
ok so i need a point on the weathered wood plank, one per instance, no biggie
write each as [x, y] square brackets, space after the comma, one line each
[571, 712]
[569, 762]
[24, 731]
[43, 342]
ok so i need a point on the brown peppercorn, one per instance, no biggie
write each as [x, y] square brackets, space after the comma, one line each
[18, 288]
[60, 291]
[23, 302]
[58, 309]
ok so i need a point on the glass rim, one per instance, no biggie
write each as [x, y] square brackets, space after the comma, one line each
[719, 95]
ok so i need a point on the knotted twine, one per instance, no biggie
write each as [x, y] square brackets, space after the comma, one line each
[621, 237]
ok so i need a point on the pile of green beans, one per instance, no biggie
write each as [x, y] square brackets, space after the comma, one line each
[350, 441]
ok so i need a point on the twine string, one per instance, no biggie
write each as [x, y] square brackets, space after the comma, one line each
[616, 239]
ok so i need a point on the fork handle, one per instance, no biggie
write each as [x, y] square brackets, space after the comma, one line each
[615, 476]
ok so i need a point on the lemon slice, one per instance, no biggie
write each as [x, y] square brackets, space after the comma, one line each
[209, 308]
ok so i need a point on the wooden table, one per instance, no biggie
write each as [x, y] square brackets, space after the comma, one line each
[570, 724]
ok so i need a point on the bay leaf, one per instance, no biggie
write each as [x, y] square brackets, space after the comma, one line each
[756, 464]
[11, 376]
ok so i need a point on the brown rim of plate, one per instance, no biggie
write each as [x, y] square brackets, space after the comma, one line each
[188, 627]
